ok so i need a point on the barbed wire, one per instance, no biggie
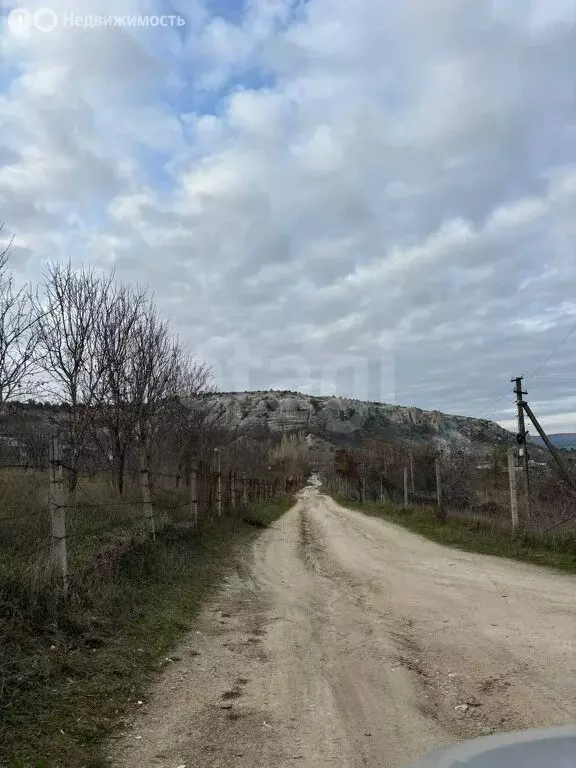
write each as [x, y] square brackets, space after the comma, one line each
[102, 505]
[201, 507]
[43, 467]
[110, 526]
[31, 550]
[205, 469]
[175, 506]
[29, 515]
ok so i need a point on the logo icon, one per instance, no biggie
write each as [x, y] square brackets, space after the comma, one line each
[21, 20]
[45, 20]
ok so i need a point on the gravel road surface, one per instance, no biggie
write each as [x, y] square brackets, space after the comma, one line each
[343, 641]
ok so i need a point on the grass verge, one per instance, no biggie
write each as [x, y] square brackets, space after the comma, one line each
[475, 535]
[69, 676]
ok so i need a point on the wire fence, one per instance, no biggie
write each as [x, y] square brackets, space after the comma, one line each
[65, 516]
[457, 484]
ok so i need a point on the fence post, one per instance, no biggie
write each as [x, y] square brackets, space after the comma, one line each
[218, 481]
[146, 497]
[58, 550]
[194, 492]
[439, 494]
[244, 490]
[233, 491]
[513, 488]
[405, 486]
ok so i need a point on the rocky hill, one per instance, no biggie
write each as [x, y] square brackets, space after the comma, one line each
[342, 421]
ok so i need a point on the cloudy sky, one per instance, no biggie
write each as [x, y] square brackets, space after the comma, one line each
[370, 198]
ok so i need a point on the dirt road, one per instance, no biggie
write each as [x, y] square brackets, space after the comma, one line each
[344, 641]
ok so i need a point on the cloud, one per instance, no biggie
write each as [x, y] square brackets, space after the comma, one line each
[341, 185]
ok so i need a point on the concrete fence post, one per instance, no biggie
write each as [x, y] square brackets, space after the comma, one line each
[194, 492]
[513, 487]
[439, 491]
[146, 495]
[405, 486]
[218, 458]
[58, 549]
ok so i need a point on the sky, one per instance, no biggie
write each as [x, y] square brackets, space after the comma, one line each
[373, 199]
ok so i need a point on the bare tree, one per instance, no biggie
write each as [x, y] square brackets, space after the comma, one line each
[195, 420]
[71, 309]
[115, 426]
[153, 380]
[4, 252]
[203, 413]
[292, 455]
[18, 334]
[149, 393]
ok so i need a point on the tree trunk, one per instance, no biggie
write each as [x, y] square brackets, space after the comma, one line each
[72, 477]
[120, 466]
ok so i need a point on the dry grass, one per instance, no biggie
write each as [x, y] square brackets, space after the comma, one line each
[100, 524]
[71, 671]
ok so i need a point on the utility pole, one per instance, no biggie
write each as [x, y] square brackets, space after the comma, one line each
[521, 438]
[549, 445]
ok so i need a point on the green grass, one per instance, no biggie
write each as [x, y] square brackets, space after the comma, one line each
[475, 535]
[70, 674]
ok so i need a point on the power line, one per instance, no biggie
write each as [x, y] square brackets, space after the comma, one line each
[492, 409]
[556, 348]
